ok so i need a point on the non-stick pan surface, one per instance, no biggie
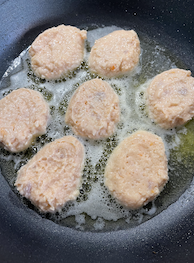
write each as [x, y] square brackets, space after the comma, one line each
[27, 237]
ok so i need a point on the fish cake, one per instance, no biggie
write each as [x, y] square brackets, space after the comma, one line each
[24, 115]
[93, 110]
[115, 54]
[136, 171]
[52, 177]
[57, 51]
[170, 98]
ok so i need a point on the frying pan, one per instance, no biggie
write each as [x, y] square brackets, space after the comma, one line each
[27, 237]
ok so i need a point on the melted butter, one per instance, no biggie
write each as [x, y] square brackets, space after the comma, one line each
[186, 147]
[95, 208]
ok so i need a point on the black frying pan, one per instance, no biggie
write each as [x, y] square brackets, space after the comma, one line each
[27, 237]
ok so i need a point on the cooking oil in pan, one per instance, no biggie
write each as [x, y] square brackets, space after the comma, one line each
[95, 209]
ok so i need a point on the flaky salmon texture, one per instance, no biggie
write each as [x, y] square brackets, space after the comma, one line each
[52, 177]
[115, 54]
[137, 171]
[57, 51]
[24, 115]
[170, 98]
[93, 110]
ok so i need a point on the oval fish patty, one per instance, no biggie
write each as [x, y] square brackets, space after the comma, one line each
[93, 110]
[170, 98]
[136, 171]
[52, 176]
[23, 115]
[57, 51]
[115, 54]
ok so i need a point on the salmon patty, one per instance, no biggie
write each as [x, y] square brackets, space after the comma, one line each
[23, 115]
[170, 98]
[93, 110]
[57, 51]
[52, 177]
[136, 171]
[115, 54]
